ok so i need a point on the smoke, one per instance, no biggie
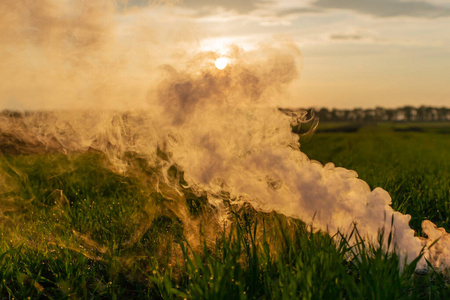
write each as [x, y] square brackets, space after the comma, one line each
[80, 54]
[83, 61]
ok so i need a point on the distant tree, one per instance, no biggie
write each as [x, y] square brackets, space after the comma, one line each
[409, 113]
[390, 113]
[324, 114]
[334, 115]
[406, 113]
[430, 113]
[443, 114]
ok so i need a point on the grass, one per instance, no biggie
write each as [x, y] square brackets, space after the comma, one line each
[412, 166]
[71, 227]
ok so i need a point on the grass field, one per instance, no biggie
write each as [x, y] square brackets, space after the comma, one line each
[410, 161]
[71, 228]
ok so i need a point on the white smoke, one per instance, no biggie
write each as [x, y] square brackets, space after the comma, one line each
[214, 125]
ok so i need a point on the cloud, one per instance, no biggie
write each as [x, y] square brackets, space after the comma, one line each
[346, 37]
[388, 8]
[365, 36]
[262, 12]
[241, 6]
[293, 9]
[300, 11]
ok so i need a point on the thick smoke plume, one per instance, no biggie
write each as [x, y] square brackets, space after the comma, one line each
[80, 54]
[219, 127]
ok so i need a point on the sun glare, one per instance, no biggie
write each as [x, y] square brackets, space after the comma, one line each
[221, 63]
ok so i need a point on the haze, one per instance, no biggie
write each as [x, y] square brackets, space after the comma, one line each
[369, 53]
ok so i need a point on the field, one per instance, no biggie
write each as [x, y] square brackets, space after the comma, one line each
[410, 161]
[72, 228]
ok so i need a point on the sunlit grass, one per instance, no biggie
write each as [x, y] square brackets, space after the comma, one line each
[414, 167]
[73, 227]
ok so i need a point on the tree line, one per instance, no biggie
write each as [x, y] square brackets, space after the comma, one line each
[402, 114]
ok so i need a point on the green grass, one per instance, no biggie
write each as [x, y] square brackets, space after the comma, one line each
[72, 227]
[414, 167]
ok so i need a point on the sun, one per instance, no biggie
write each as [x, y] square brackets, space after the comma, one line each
[221, 63]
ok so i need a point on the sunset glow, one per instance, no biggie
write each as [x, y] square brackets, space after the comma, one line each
[222, 149]
[353, 54]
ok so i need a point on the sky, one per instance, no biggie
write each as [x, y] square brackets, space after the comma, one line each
[356, 53]
[364, 53]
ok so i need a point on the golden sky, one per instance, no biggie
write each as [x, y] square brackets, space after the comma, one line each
[354, 53]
